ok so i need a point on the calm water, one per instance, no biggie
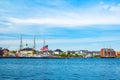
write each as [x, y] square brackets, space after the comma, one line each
[60, 69]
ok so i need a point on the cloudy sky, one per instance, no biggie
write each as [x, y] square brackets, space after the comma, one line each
[64, 24]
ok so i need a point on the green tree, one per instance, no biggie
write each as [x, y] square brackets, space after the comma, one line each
[13, 51]
[76, 55]
[96, 56]
[63, 54]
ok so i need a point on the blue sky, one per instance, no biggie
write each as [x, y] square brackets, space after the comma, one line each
[64, 24]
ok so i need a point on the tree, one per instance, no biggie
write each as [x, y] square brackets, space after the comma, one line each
[13, 51]
[76, 55]
[63, 54]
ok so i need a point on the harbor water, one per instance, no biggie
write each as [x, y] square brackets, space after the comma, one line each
[60, 69]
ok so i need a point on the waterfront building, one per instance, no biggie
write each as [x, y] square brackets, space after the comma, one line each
[96, 52]
[6, 52]
[107, 52]
[26, 51]
[1, 52]
[73, 52]
[83, 51]
[77, 52]
[117, 53]
[58, 51]
[89, 54]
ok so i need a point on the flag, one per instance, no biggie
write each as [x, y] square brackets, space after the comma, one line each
[44, 47]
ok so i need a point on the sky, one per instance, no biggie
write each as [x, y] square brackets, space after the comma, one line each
[63, 24]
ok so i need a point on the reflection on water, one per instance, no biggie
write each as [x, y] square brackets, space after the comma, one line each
[60, 69]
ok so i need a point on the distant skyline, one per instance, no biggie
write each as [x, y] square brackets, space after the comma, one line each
[64, 24]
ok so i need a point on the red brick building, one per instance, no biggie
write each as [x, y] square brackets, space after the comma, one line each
[107, 52]
[118, 53]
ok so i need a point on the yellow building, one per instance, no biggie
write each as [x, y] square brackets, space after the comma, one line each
[26, 51]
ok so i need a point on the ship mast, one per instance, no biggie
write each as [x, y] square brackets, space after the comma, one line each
[43, 43]
[34, 42]
[20, 42]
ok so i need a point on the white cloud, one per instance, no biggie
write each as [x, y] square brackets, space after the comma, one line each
[75, 17]
[69, 22]
[115, 8]
[110, 7]
[104, 6]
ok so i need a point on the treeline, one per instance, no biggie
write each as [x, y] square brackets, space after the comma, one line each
[75, 55]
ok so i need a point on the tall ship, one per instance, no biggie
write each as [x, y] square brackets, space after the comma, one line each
[26, 51]
[31, 52]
